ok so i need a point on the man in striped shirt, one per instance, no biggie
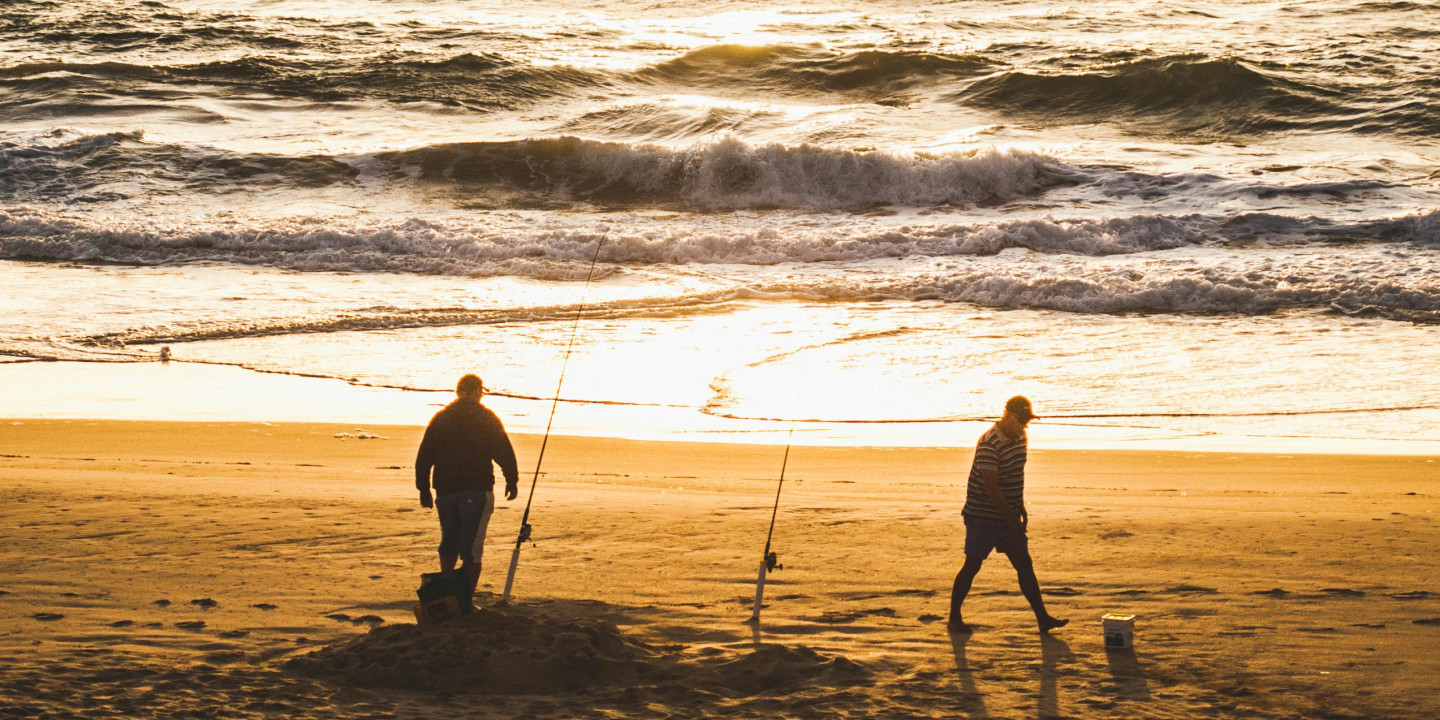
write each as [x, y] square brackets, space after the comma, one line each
[995, 517]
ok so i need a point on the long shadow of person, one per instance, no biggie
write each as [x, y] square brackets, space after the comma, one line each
[970, 697]
[1053, 651]
[1128, 674]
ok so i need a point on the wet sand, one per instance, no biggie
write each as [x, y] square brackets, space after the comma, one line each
[189, 569]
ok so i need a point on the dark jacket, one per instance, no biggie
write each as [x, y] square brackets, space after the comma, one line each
[460, 443]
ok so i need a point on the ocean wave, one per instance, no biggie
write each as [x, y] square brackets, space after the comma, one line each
[1190, 94]
[728, 173]
[110, 166]
[497, 246]
[667, 122]
[722, 174]
[483, 82]
[158, 31]
[1194, 284]
[390, 318]
[1177, 288]
[879, 74]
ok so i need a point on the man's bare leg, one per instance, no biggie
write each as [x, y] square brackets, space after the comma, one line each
[447, 561]
[963, 580]
[1030, 587]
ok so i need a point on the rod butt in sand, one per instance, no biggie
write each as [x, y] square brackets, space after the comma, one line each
[759, 593]
[510, 575]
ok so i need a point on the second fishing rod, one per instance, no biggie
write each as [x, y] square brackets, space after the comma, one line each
[525, 528]
[769, 560]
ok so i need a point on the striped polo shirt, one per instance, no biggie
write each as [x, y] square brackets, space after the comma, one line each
[1007, 457]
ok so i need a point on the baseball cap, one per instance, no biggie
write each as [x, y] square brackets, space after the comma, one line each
[1019, 406]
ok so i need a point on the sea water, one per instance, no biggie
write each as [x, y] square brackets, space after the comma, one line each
[872, 220]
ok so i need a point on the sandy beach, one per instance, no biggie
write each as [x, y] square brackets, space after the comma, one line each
[191, 570]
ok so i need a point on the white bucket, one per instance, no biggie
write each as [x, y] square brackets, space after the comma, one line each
[1119, 630]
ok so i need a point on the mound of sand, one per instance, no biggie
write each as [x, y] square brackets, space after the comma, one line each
[504, 650]
[777, 668]
[519, 650]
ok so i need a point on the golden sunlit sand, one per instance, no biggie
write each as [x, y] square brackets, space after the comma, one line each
[190, 570]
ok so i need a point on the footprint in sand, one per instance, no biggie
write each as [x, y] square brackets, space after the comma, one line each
[162, 603]
[204, 603]
[1343, 592]
[122, 623]
[1411, 595]
[1196, 589]
[1427, 621]
[191, 625]
[339, 617]
[234, 633]
[1273, 592]
[838, 617]
[48, 616]
[927, 618]
[265, 606]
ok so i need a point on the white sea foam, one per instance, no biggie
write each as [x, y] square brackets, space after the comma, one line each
[516, 244]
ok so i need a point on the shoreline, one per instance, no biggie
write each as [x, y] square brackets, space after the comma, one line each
[186, 391]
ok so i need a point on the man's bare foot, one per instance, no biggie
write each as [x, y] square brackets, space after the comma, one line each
[1048, 623]
[959, 626]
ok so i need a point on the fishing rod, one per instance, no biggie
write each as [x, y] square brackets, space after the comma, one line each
[769, 561]
[525, 528]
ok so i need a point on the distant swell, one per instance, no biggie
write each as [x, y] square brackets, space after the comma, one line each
[478, 82]
[878, 74]
[1196, 94]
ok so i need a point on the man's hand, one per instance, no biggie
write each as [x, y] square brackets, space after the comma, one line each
[1017, 526]
[1019, 522]
[512, 491]
[425, 500]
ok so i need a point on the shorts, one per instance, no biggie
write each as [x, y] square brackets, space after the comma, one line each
[464, 517]
[983, 535]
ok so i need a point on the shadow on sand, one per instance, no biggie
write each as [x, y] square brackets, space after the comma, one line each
[1053, 652]
[1128, 674]
[970, 698]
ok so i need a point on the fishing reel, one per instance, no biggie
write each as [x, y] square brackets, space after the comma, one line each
[772, 562]
[524, 534]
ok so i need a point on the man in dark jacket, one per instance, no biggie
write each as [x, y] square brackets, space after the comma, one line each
[460, 444]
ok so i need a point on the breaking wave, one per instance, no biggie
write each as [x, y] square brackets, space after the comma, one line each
[723, 174]
[493, 247]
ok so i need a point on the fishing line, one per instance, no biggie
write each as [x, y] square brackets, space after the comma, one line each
[769, 561]
[525, 528]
